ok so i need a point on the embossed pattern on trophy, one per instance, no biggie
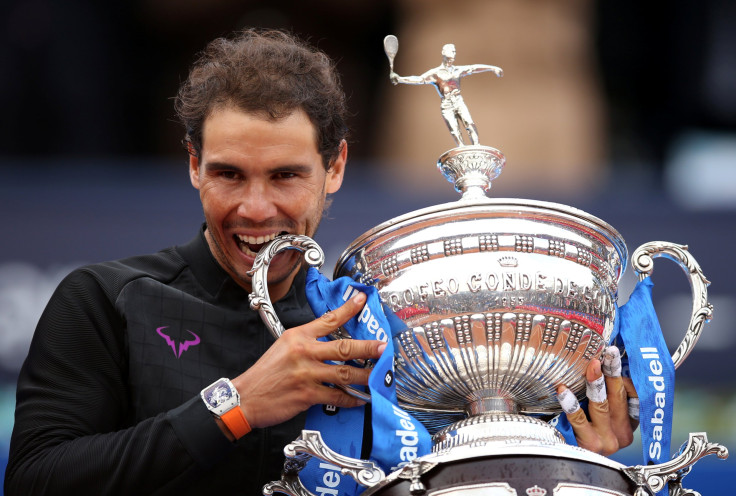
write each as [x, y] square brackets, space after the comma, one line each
[503, 302]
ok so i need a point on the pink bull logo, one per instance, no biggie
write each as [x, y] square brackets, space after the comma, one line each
[183, 346]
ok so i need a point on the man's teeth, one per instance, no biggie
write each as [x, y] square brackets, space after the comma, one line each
[256, 240]
[251, 245]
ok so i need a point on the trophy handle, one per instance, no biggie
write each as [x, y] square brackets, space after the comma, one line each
[643, 262]
[309, 444]
[656, 477]
[259, 298]
[261, 301]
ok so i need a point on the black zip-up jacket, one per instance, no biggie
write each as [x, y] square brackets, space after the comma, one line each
[108, 398]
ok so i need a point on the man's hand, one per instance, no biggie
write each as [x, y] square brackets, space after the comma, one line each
[611, 425]
[290, 377]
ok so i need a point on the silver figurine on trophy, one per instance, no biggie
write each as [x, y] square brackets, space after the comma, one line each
[471, 168]
[503, 300]
[446, 79]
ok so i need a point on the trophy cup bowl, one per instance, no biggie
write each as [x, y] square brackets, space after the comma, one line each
[503, 301]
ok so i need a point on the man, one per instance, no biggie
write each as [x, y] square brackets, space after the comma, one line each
[446, 79]
[121, 392]
[109, 398]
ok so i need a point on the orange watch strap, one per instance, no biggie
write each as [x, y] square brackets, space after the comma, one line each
[234, 419]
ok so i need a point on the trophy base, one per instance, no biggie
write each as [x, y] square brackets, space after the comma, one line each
[495, 428]
[519, 472]
[505, 466]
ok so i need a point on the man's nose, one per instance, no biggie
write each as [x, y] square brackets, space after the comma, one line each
[257, 202]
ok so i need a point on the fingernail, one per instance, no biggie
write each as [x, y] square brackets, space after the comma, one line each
[359, 298]
[594, 370]
[381, 348]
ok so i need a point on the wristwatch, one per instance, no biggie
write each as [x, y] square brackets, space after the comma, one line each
[222, 399]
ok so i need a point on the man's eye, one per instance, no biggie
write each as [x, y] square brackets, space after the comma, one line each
[227, 174]
[285, 175]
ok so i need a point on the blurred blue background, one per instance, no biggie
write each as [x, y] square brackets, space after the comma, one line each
[622, 109]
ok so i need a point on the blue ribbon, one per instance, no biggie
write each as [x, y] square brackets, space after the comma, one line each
[652, 371]
[398, 438]
[649, 364]
[342, 427]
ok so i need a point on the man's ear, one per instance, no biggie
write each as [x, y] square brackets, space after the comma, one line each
[337, 169]
[194, 170]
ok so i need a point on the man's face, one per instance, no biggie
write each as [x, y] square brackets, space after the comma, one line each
[258, 178]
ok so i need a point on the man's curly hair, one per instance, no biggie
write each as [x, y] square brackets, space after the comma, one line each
[268, 72]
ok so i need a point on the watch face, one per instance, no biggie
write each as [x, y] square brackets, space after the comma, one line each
[220, 397]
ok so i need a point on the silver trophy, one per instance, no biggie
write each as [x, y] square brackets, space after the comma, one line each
[503, 300]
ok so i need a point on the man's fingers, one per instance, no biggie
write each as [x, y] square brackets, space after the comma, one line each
[600, 419]
[342, 374]
[597, 434]
[619, 410]
[609, 405]
[611, 362]
[595, 386]
[630, 389]
[618, 406]
[622, 397]
[633, 402]
[568, 401]
[330, 395]
[599, 408]
[343, 350]
[333, 319]
[586, 436]
[340, 350]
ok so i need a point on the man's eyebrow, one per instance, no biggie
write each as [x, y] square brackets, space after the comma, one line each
[224, 166]
[292, 168]
[220, 166]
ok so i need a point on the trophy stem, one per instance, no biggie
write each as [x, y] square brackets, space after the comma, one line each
[471, 169]
[493, 404]
[491, 428]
